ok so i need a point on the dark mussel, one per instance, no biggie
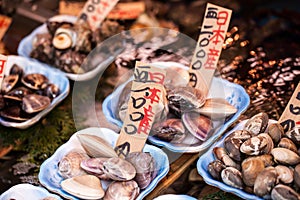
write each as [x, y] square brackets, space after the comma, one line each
[35, 81]
[9, 82]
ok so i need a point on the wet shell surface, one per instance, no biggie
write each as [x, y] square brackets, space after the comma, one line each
[215, 168]
[170, 130]
[276, 132]
[144, 164]
[69, 165]
[284, 192]
[33, 103]
[251, 167]
[94, 166]
[285, 156]
[233, 177]
[84, 187]
[119, 169]
[288, 144]
[260, 144]
[35, 81]
[17, 94]
[222, 155]
[285, 174]
[217, 108]
[96, 146]
[9, 82]
[198, 125]
[125, 190]
[257, 124]
[294, 134]
[265, 181]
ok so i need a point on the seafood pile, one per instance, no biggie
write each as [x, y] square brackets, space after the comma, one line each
[260, 159]
[66, 45]
[186, 115]
[24, 95]
[84, 171]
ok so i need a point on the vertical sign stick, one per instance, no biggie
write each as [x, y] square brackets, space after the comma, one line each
[95, 11]
[147, 92]
[209, 46]
[291, 114]
[3, 60]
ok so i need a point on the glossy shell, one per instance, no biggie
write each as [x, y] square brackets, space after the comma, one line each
[285, 174]
[265, 181]
[9, 82]
[33, 103]
[69, 165]
[215, 168]
[260, 144]
[288, 144]
[14, 113]
[221, 154]
[257, 124]
[284, 192]
[170, 130]
[276, 132]
[96, 146]
[35, 81]
[285, 156]
[251, 167]
[144, 164]
[198, 125]
[294, 134]
[51, 91]
[84, 187]
[119, 169]
[126, 190]
[94, 166]
[233, 177]
[232, 146]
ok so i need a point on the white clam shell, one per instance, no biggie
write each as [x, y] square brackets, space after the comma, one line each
[84, 187]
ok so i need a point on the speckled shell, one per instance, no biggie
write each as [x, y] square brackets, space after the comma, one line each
[257, 145]
[284, 192]
[233, 177]
[285, 156]
[119, 169]
[94, 166]
[265, 181]
[257, 124]
[251, 167]
[126, 190]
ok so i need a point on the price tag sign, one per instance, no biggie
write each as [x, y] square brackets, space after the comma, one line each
[127, 11]
[3, 60]
[70, 8]
[209, 46]
[291, 114]
[4, 25]
[95, 11]
[147, 92]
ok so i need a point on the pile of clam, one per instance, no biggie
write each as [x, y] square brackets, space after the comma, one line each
[260, 159]
[84, 171]
[186, 114]
[24, 95]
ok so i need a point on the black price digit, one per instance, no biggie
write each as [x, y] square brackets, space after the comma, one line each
[123, 149]
[287, 125]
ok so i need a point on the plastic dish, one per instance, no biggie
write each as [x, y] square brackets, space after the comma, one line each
[25, 48]
[54, 76]
[208, 157]
[233, 93]
[174, 197]
[26, 191]
[49, 177]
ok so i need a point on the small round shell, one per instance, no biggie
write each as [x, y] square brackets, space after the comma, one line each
[257, 124]
[119, 169]
[125, 190]
[285, 156]
[276, 132]
[33, 103]
[284, 192]
[285, 174]
[35, 81]
[233, 177]
[251, 167]
[265, 181]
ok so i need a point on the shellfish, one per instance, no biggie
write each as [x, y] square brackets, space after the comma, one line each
[84, 187]
[33, 103]
[257, 124]
[125, 190]
[265, 181]
[251, 167]
[285, 174]
[9, 82]
[144, 164]
[119, 169]
[284, 192]
[233, 177]
[285, 156]
[276, 132]
[69, 165]
[35, 81]
[215, 168]
[294, 134]
[94, 166]
[96, 146]
[260, 144]
[221, 154]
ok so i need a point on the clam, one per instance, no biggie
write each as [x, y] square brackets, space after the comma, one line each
[15, 69]
[276, 132]
[17, 94]
[170, 130]
[215, 168]
[241, 135]
[251, 167]
[33, 103]
[288, 144]
[260, 144]
[94, 166]
[35, 81]
[69, 165]
[294, 134]
[285, 174]
[233, 177]
[267, 159]
[9, 82]
[144, 164]
[257, 124]
[125, 190]
[185, 98]
[119, 169]
[196, 124]
[297, 176]
[285, 156]
[176, 77]
[84, 187]
[265, 181]
[221, 154]
[96, 146]
[217, 108]
[284, 192]
[14, 113]
[232, 146]
[51, 91]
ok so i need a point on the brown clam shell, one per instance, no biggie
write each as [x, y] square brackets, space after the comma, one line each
[265, 181]
[233, 177]
[9, 82]
[257, 124]
[285, 156]
[281, 191]
[35, 81]
[33, 103]
[251, 167]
